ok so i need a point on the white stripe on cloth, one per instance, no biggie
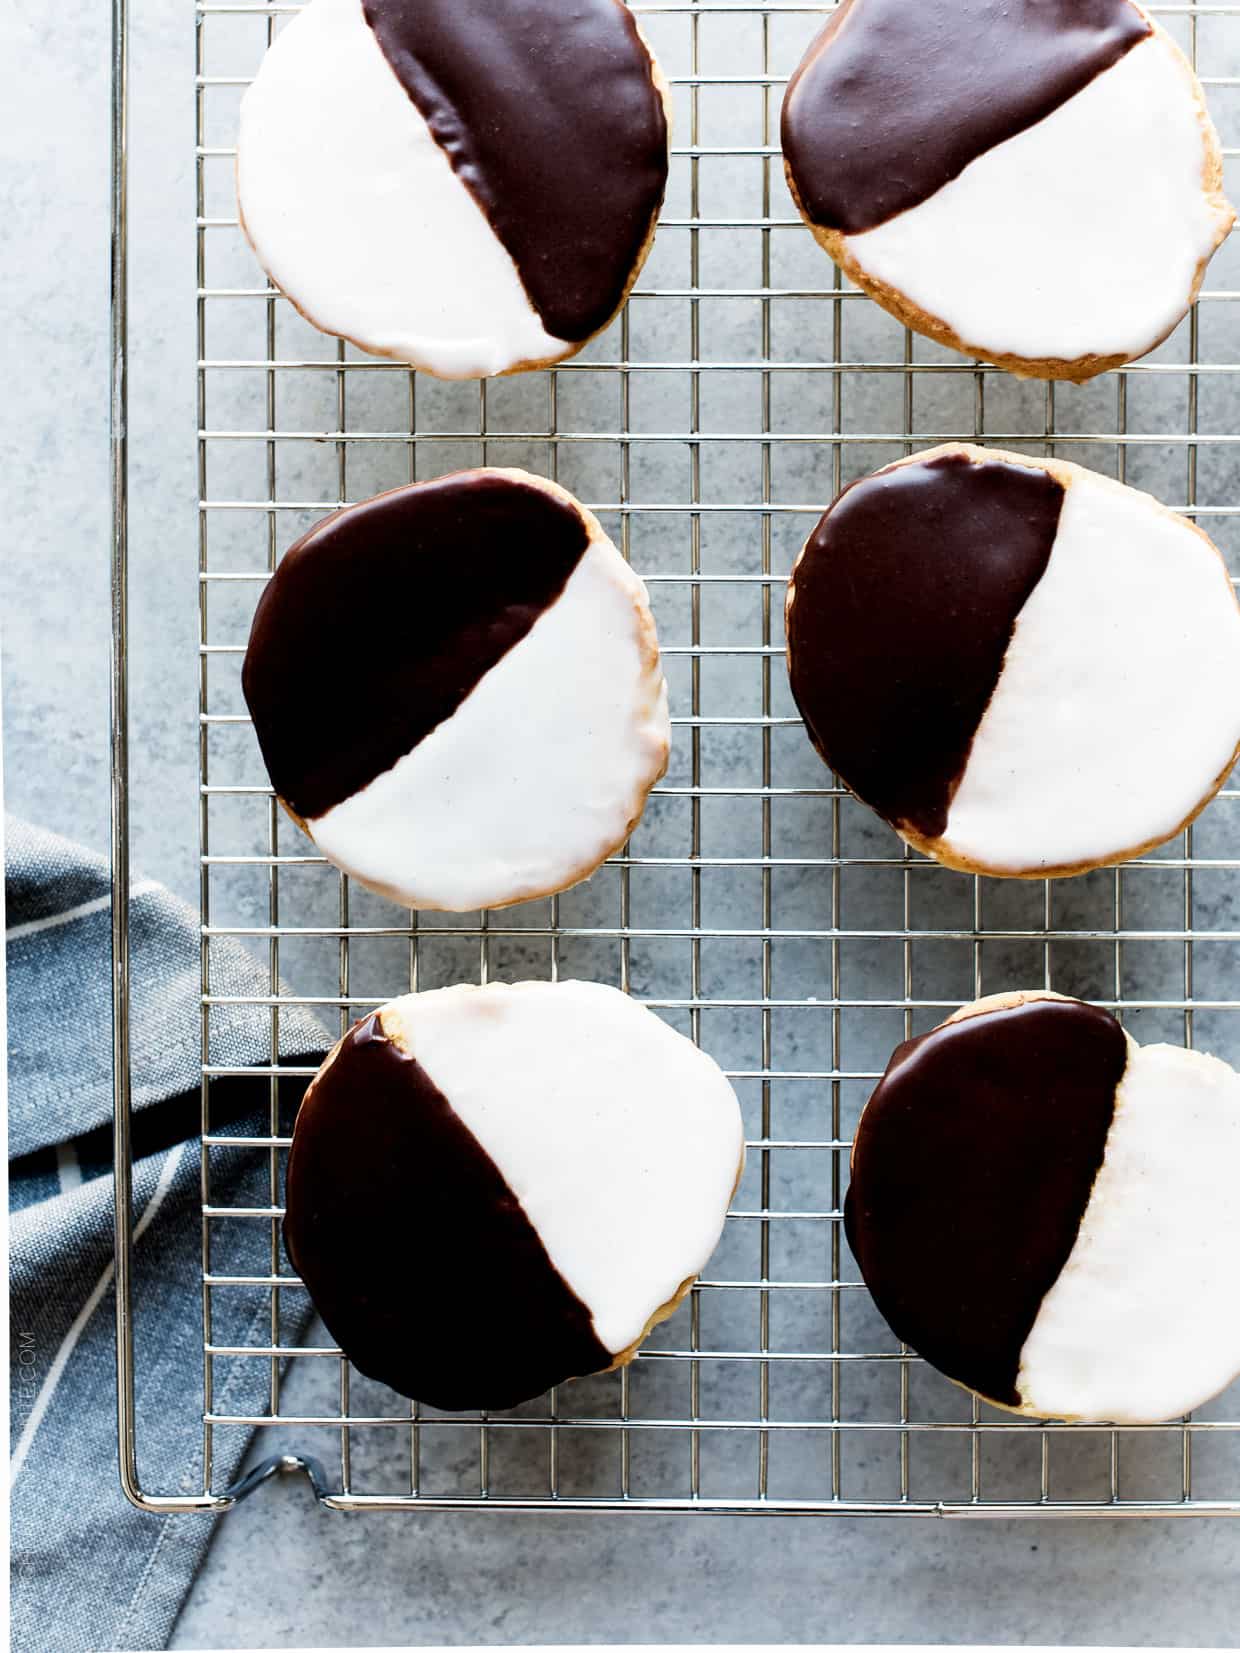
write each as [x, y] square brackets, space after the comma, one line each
[68, 1167]
[98, 905]
[56, 1370]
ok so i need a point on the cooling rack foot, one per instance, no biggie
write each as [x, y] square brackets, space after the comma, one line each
[286, 1463]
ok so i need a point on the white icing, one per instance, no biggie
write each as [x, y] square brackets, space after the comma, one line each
[1118, 706]
[539, 773]
[1080, 236]
[1143, 1322]
[356, 213]
[621, 1140]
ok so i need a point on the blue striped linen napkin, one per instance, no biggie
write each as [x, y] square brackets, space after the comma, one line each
[88, 1570]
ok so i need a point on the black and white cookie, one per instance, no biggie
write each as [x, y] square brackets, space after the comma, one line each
[1027, 669]
[1033, 181]
[493, 1189]
[1046, 1211]
[470, 186]
[457, 691]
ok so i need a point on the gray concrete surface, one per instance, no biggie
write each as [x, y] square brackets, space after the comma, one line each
[281, 1573]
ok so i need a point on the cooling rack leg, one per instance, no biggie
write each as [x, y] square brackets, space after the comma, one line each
[119, 834]
[120, 762]
[283, 1463]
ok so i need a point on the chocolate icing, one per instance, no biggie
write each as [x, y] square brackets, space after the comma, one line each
[896, 97]
[549, 114]
[903, 606]
[416, 1252]
[972, 1167]
[380, 620]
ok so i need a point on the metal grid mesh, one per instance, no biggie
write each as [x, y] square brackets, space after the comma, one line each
[758, 907]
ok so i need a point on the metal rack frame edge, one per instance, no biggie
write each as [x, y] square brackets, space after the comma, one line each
[285, 1464]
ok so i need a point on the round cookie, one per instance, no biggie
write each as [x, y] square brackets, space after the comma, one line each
[1036, 182]
[457, 692]
[1046, 1211]
[1027, 669]
[470, 186]
[493, 1189]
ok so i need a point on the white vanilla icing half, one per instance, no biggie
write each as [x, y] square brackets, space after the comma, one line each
[1143, 1322]
[1118, 706]
[621, 1139]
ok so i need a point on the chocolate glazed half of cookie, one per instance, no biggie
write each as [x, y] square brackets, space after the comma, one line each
[550, 116]
[891, 68]
[1033, 181]
[388, 1188]
[1027, 669]
[1044, 1210]
[493, 1189]
[924, 567]
[467, 185]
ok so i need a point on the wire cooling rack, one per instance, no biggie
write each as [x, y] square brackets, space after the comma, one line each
[757, 907]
